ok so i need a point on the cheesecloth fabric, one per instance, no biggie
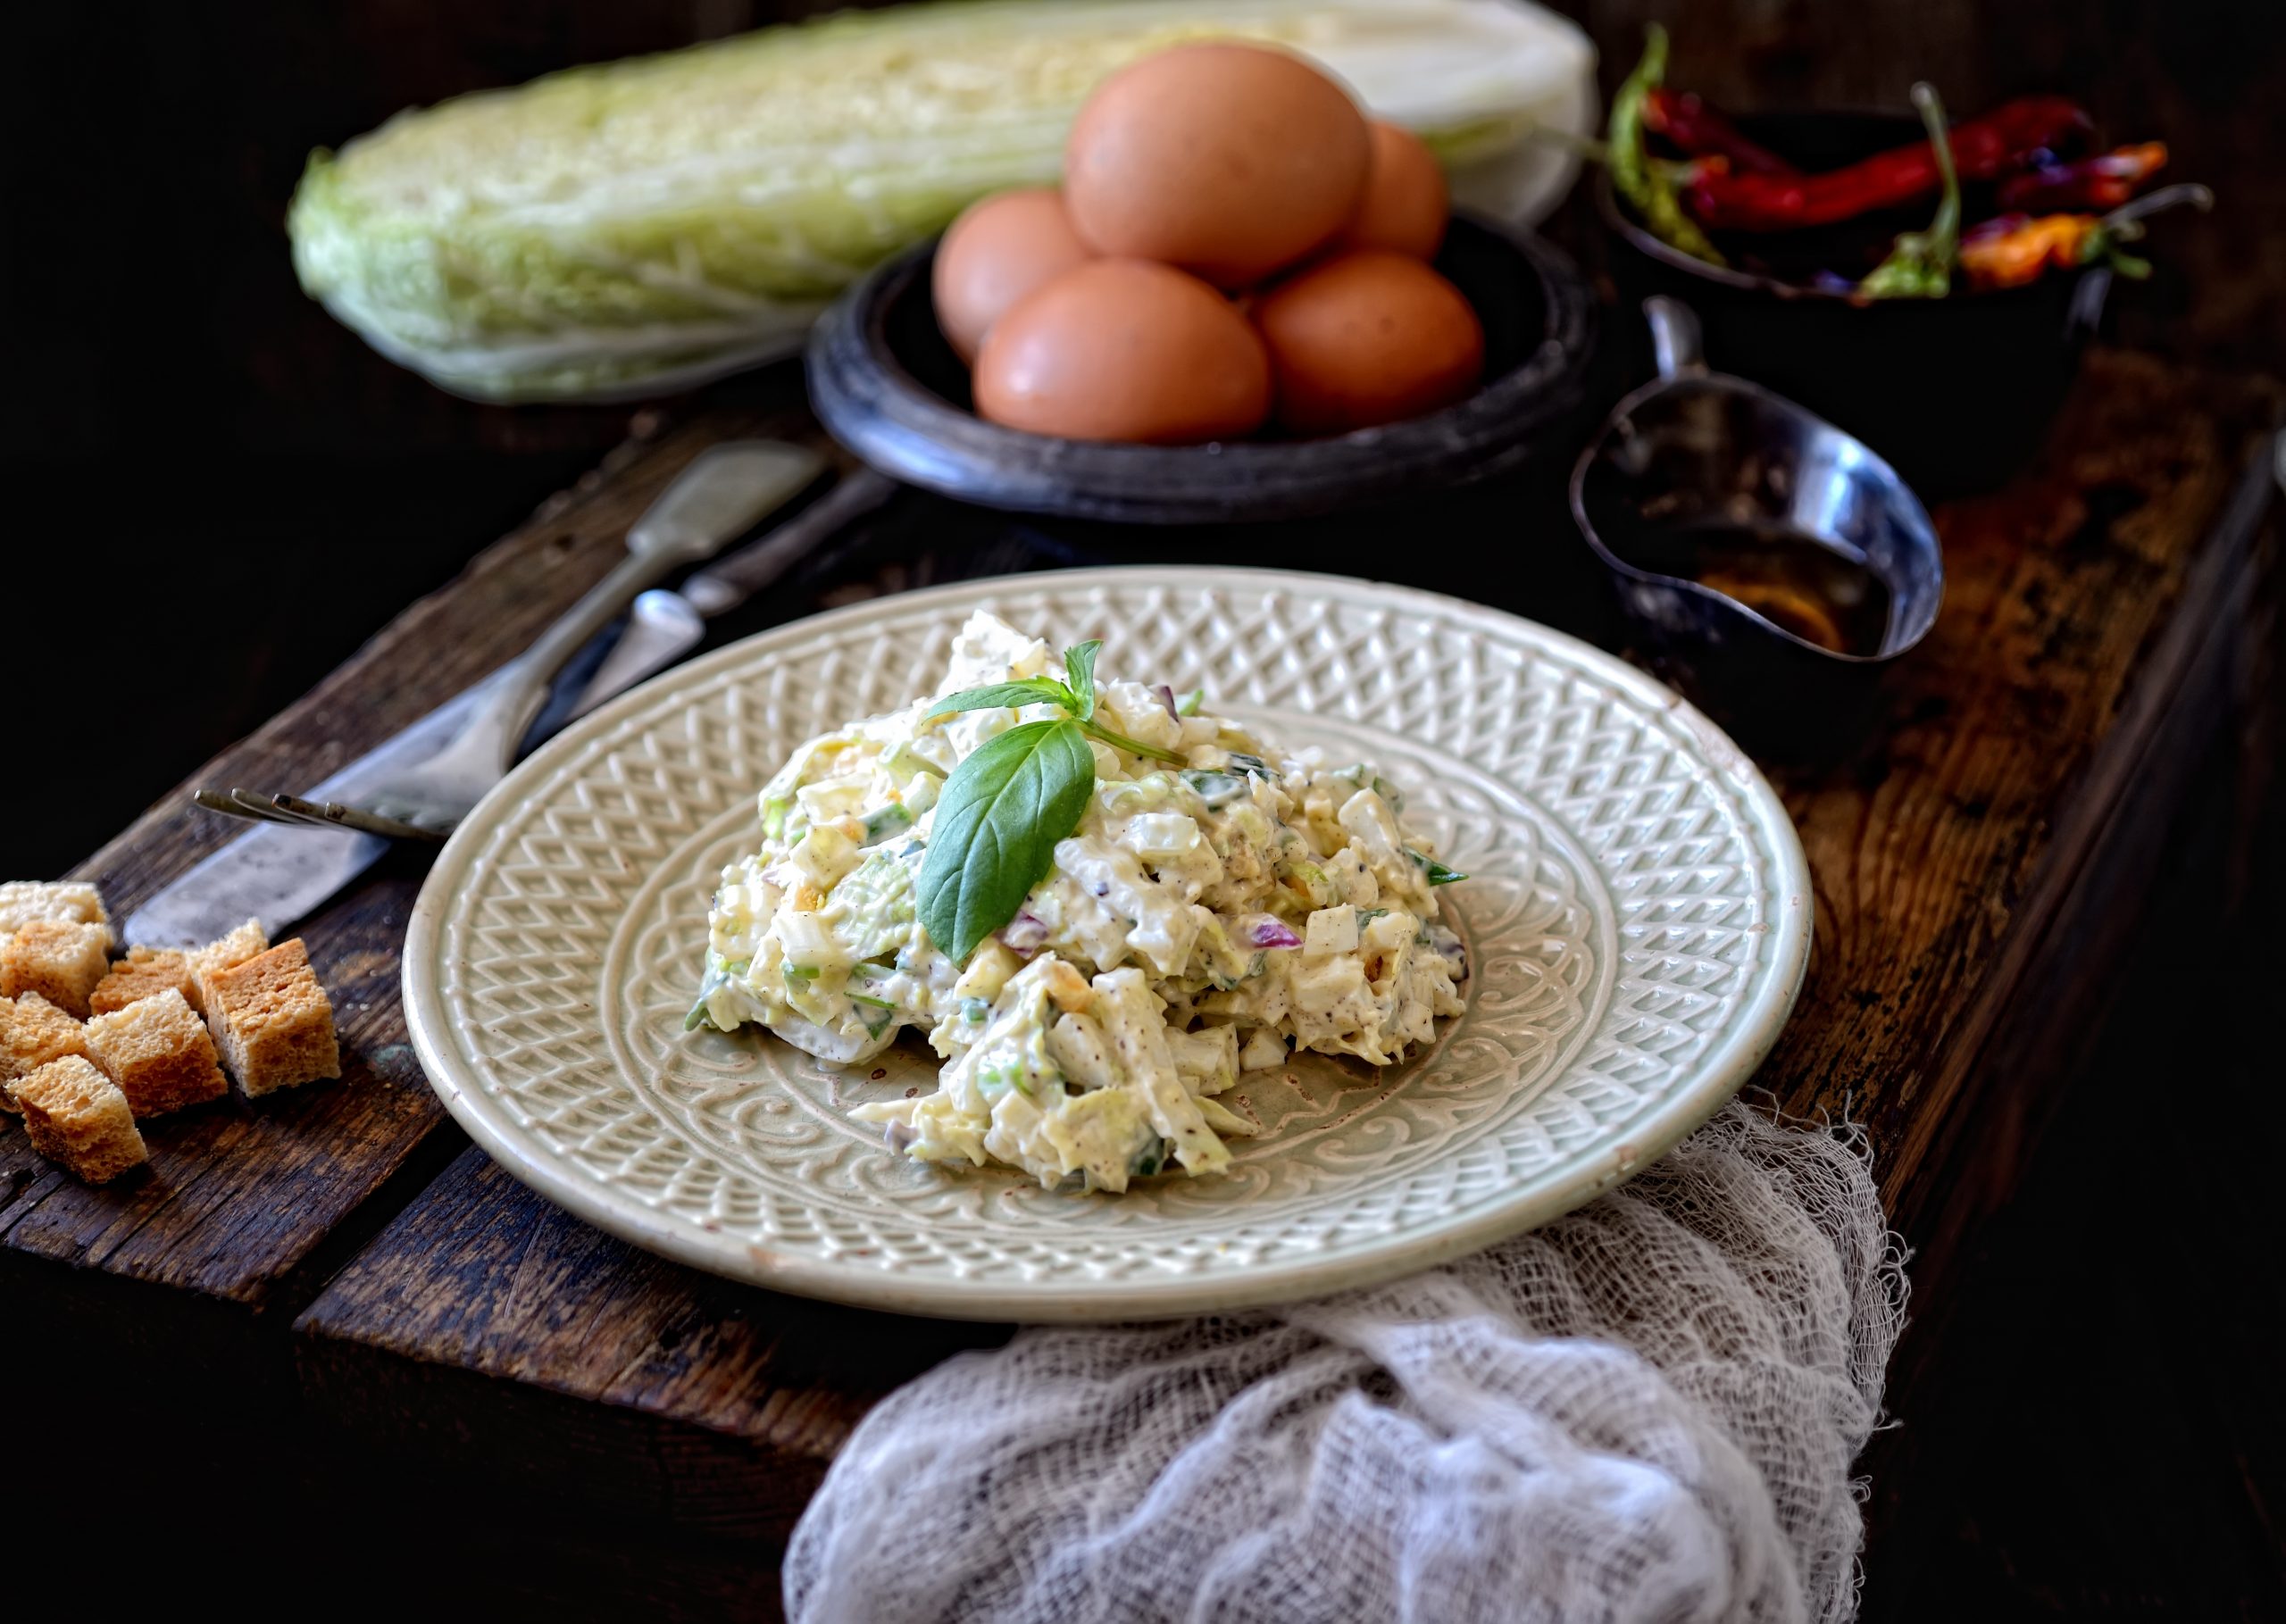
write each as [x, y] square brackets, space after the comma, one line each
[1647, 1409]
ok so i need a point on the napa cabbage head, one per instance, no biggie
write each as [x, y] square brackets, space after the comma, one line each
[633, 228]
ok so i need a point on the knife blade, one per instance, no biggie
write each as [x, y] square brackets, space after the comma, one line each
[278, 875]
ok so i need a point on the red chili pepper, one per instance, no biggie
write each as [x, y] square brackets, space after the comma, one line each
[2104, 181]
[1700, 131]
[1982, 148]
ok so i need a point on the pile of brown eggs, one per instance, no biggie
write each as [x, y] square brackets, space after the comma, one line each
[1234, 245]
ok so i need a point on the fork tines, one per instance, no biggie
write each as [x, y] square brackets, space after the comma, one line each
[296, 812]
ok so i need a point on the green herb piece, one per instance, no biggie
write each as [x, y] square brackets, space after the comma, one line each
[1920, 264]
[1216, 788]
[708, 985]
[1012, 696]
[1255, 764]
[1004, 1078]
[887, 821]
[1077, 697]
[799, 975]
[1647, 184]
[903, 762]
[1437, 872]
[974, 1010]
[877, 1013]
[997, 822]
[1189, 704]
[773, 815]
[1149, 1160]
[1080, 673]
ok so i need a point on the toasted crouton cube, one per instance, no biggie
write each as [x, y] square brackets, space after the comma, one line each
[144, 973]
[158, 1053]
[248, 941]
[32, 1033]
[272, 1021]
[62, 962]
[27, 902]
[77, 1116]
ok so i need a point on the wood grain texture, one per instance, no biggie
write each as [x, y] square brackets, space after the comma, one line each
[1947, 851]
[240, 1198]
[701, 1403]
[1943, 851]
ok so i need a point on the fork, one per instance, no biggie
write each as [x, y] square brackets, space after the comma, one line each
[720, 496]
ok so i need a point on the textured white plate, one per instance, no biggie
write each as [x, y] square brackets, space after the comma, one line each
[1637, 918]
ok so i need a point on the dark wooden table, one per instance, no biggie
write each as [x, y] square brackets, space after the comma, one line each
[333, 1292]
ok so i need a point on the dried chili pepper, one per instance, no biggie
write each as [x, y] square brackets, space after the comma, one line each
[1687, 121]
[1648, 186]
[1723, 201]
[2104, 181]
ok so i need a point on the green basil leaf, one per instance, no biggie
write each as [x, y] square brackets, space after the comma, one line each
[1080, 667]
[1024, 691]
[998, 819]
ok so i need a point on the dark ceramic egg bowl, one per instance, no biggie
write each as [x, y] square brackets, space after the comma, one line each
[1955, 392]
[886, 385]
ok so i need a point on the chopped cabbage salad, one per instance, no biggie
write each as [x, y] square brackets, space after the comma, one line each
[1202, 919]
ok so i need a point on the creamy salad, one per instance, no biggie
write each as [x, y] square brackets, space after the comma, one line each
[1201, 919]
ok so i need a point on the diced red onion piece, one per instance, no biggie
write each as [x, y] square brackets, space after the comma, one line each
[1024, 934]
[1268, 930]
[1167, 698]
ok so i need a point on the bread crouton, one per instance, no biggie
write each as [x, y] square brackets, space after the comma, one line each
[62, 962]
[158, 1053]
[142, 973]
[272, 1021]
[29, 902]
[248, 941]
[32, 1033]
[77, 1116]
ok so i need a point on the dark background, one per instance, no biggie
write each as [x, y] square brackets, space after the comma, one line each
[217, 494]
[240, 491]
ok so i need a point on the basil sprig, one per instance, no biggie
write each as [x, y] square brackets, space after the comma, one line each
[997, 822]
[1010, 800]
[1076, 695]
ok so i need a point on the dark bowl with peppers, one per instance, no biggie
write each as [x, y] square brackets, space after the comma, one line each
[1828, 259]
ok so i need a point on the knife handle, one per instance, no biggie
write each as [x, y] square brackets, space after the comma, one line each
[719, 496]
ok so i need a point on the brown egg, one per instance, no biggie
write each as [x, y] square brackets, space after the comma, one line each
[996, 253]
[1124, 350]
[1231, 161]
[1406, 202]
[1368, 338]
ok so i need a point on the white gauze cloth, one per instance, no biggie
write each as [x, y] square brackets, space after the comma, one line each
[1647, 1409]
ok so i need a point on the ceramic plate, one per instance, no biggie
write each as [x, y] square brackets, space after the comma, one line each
[1637, 916]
